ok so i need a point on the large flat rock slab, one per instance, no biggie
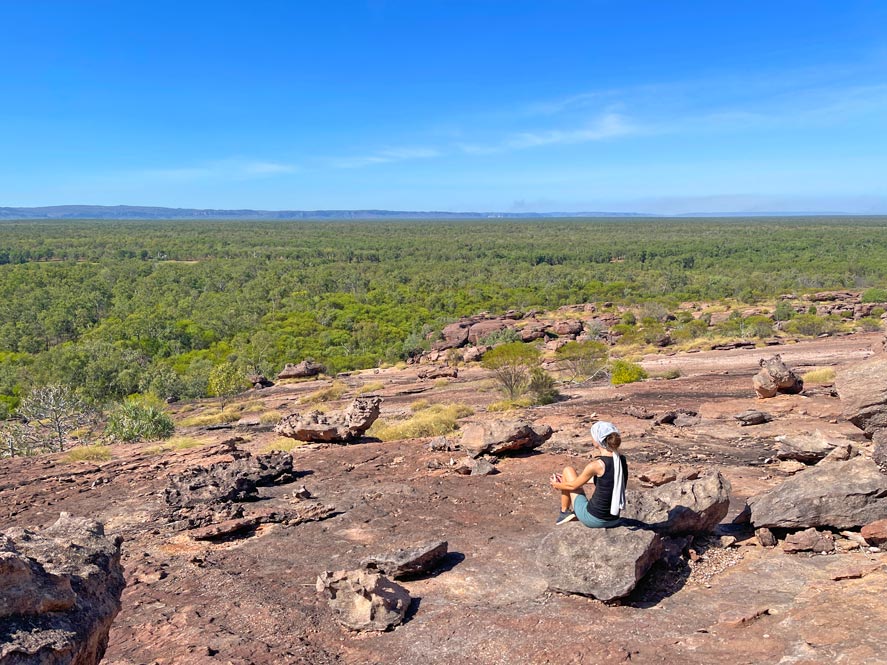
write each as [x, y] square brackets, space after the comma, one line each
[841, 495]
[603, 563]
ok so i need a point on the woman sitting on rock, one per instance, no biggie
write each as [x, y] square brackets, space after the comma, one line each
[609, 471]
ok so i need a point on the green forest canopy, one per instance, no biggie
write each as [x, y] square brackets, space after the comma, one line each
[118, 307]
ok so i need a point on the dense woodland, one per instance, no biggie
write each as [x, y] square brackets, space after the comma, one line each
[114, 308]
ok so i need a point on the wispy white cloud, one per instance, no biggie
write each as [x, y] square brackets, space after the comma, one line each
[607, 126]
[386, 156]
[226, 169]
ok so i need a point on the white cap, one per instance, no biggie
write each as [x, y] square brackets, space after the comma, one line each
[602, 429]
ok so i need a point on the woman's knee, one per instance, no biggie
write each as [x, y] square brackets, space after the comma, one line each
[569, 473]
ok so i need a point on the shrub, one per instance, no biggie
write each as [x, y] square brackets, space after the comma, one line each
[623, 371]
[756, 326]
[50, 416]
[436, 420]
[226, 380]
[96, 453]
[511, 364]
[503, 336]
[809, 325]
[824, 375]
[542, 386]
[689, 330]
[629, 319]
[419, 405]
[582, 359]
[137, 420]
[784, 311]
[870, 324]
[877, 312]
[874, 295]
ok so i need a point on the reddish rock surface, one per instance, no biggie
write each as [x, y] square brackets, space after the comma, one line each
[251, 598]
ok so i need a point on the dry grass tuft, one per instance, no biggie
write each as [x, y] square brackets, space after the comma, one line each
[824, 375]
[511, 404]
[435, 420]
[282, 443]
[370, 387]
[97, 453]
[336, 390]
[213, 416]
[175, 443]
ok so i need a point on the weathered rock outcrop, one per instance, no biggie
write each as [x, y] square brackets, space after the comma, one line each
[809, 540]
[364, 600]
[496, 437]
[691, 506]
[59, 592]
[438, 373]
[209, 501]
[342, 427]
[841, 495]
[236, 481]
[303, 370]
[407, 562]
[454, 336]
[753, 417]
[774, 377]
[481, 329]
[875, 533]
[604, 563]
[806, 448]
[862, 388]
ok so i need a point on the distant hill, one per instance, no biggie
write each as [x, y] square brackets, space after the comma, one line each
[153, 212]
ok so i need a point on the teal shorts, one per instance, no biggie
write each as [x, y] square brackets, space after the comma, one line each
[580, 507]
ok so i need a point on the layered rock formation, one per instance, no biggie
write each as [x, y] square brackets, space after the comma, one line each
[60, 590]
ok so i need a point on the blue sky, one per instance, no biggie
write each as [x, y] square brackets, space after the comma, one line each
[663, 107]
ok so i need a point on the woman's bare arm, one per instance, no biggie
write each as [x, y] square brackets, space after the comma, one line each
[594, 468]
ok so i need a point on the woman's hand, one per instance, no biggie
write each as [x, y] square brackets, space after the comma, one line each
[555, 480]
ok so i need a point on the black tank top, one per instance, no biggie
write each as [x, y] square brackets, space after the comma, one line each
[599, 506]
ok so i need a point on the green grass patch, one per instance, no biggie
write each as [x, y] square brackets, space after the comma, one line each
[435, 420]
[95, 453]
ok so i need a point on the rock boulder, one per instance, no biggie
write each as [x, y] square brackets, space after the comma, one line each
[342, 427]
[409, 561]
[60, 590]
[691, 506]
[364, 600]
[303, 370]
[841, 495]
[603, 563]
[496, 437]
[862, 388]
[806, 448]
[774, 377]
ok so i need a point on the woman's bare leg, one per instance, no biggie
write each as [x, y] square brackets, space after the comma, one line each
[568, 475]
